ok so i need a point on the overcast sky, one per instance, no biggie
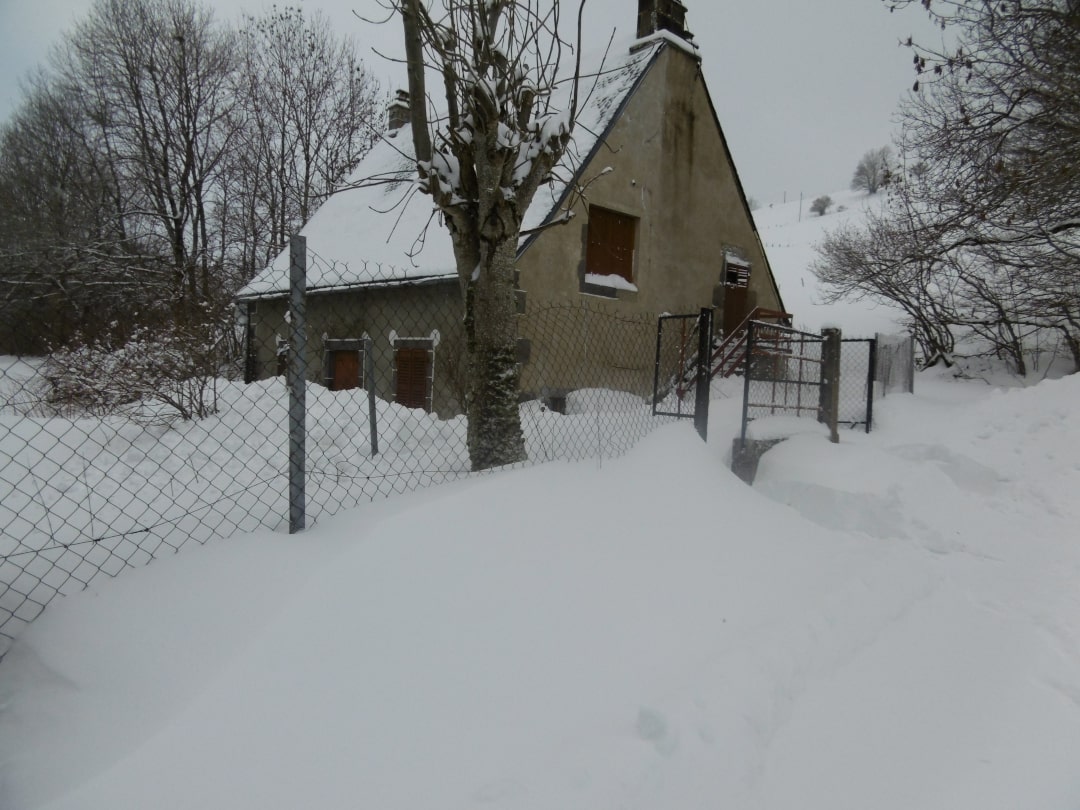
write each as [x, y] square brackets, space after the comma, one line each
[802, 87]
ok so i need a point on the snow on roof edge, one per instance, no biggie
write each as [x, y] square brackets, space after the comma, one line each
[407, 281]
[617, 81]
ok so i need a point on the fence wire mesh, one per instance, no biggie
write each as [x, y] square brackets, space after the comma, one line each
[116, 453]
[856, 405]
[895, 366]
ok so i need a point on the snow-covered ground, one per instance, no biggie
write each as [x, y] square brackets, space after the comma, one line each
[892, 622]
[84, 496]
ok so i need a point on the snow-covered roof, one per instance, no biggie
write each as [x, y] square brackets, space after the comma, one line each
[380, 229]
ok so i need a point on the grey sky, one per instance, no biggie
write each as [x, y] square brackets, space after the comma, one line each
[802, 87]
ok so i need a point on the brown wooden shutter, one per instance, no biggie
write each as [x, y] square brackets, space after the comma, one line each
[412, 377]
[345, 370]
[610, 244]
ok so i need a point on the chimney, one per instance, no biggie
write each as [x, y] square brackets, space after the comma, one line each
[662, 15]
[398, 114]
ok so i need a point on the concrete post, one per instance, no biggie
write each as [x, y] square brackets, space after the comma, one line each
[829, 402]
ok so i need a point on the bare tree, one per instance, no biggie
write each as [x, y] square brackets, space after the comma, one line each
[983, 231]
[161, 160]
[306, 112]
[494, 134]
[872, 171]
[154, 78]
[67, 263]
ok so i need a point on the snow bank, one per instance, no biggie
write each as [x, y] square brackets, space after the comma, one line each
[891, 622]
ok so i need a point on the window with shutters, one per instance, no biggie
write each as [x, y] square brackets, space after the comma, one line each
[413, 372]
[609, 247]
[343, 364]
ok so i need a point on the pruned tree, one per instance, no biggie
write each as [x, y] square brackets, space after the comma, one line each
[872, 170]
[485, 140]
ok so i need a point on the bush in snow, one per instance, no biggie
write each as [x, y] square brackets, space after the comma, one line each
[821, 205]
[175, 366]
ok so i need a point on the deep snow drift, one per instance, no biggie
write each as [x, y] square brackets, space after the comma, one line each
[892, 622]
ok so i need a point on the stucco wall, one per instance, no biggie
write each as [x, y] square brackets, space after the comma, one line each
[379, 313]
[671, 171]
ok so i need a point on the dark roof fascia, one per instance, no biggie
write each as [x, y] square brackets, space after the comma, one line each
[416, 281]
[594, 151]
[739, 185]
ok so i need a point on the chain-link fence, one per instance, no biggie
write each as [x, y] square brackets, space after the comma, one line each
[788, 374]
[895, 365]
[857, 365]
[113, 455]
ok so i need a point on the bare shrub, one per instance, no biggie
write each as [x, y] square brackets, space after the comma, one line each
[821, 205]
[175, 368]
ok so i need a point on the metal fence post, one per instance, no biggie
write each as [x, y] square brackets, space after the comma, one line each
[656, 369]
[871, 375]
[296, 382]
[750, 329]
[369, 383]
[701, 392]
[829, 403]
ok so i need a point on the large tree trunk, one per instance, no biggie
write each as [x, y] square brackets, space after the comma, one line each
[494, 434]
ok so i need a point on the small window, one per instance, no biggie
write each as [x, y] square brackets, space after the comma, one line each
[736, 270]
[609, 248]
[413, 372]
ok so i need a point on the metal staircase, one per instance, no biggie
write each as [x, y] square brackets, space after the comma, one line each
[729, 356]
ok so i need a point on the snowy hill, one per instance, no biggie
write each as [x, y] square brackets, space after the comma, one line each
[789, 236]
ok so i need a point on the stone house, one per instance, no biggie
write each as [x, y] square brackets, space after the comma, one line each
[664, 226]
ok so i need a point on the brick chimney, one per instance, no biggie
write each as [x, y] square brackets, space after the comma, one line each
[398, 113]
[662, 15]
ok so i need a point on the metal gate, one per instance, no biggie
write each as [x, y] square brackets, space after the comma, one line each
[681, 376]
[858, 359]
[783, 375]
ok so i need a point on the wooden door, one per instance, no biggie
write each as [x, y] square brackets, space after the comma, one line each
[734, 308]
[412, 378]
[345, 370]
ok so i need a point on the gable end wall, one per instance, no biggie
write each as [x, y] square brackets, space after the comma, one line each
[672, 171]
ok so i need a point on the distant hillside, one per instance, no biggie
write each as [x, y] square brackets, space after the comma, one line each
[789, 244]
